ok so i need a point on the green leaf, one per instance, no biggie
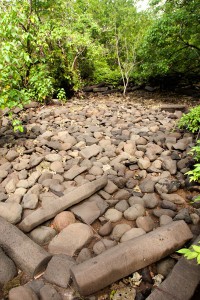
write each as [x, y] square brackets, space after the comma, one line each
[198, 259]
[183, 251]
[196, 248]
[191, 255]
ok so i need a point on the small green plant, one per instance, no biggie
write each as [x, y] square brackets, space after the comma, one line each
[61, 95]
[195, 173]
[195, 151]
[191, 120]
[191, 253]
[195, 200]
[112, 294]
[17, 126]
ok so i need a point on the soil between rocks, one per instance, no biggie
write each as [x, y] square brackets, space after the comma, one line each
[133, 129]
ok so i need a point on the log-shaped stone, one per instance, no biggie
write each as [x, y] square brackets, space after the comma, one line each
[126, 258]
[27, 255]
[181, 282]
[52, 208]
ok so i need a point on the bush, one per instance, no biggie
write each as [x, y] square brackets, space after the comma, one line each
[191, 120]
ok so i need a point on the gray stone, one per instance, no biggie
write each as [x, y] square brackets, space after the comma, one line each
[110, 187]
[144, 163]
[15, 197]
[166, 186]
[84, 255]
[182, 144]
[133, 212]
[96, 171]
[175, 198]
[146, 223]
[147, 185]
[30, 201]
[8, 269]
[23, 184]
[10, 186]
[5, 167]
[34, 161]
[102, 204]
[3, 196]
[73, 172]
[44, 176]
[113, 215]
[70, 239]
[131, 234]
[169, 165]
[48, 292]
[53, 157]
[122, 205]
[22, 293]
[35, 285]
[183, 214]
[51, 209]
[159, 212]
[57, 166]
[50, 183]
[27, 255]
[181, 282]
[47, 198]
[23, 164]
[136, 200]
[195, 218]
[90, 151]
[64, 136]
[105, 229]
[131, 183]
[128, 257]
[55, 145]
[165, 266]
[150, 200]
[104, 195]
[164, 220]
[169, 205]
[11, 211]
[11, 155]
[103, 245]
[36, 189]
[119, 181]
[58, 270]
[130, 148]
[87, 212]
[183, 163]
[42, 235]
[3, 174]
[122, 195]
[119, 230]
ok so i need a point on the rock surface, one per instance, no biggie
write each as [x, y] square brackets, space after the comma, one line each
[58, 270]
[8, 269]
[100, 159]
[70, 239]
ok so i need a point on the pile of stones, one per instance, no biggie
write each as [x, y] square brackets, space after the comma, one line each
[87, 176]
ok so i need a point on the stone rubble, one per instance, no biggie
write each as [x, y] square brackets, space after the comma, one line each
[85, 177]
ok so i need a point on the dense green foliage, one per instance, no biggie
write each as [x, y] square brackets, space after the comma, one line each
[194, 174]
[50, 48]
[191, 120]
[172, 43]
